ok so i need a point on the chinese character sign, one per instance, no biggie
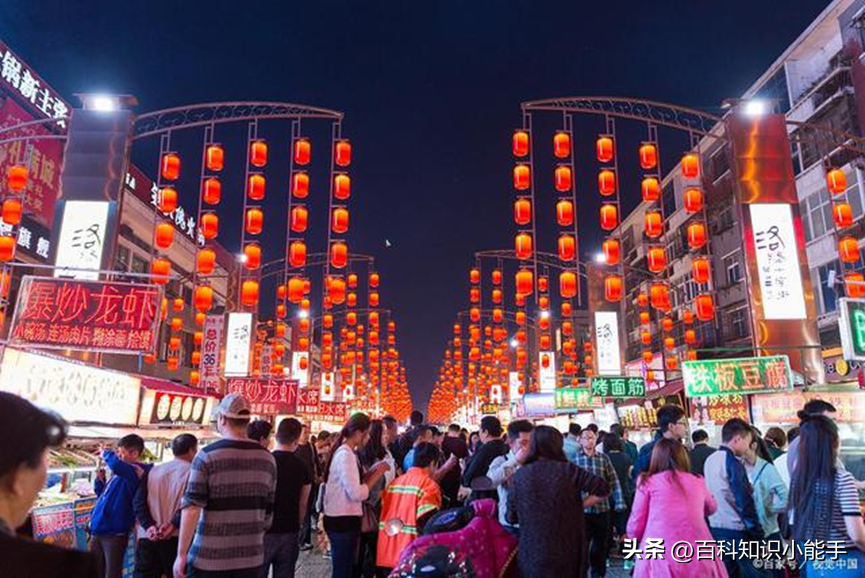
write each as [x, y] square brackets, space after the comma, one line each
[744, 375]
[607, 341]
[266, 396]
[91, 315]
[573, 398]
[17, 78]
[777, 261]
[83, 237]
[618, 387]
[307, 401]
[237, 342]
[208, 367]
[852, 326]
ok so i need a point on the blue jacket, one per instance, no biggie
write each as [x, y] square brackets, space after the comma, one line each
[644, 458]
[113, 513]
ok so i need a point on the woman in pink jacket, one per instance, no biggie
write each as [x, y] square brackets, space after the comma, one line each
[671, 505]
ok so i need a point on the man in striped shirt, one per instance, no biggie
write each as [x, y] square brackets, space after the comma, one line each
[407, 504]
[228, 503]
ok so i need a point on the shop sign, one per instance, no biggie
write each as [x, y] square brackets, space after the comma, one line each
[778, 267]
[83, 512]
[79, 393]
[237, 344]
[637, 416]
[265, 364]
[171, 408]
[331, 411]
[838, 369]
[491, 408]
[742, 375]
[607, 341]
[618, 387]
[540, 404]
[718, 409]
[55, 525]
[852, 328]
[19, 79]
[576, 398]
[89, 315]
[83, 239]
[147, 191]
[266, 396]
[208, 367]
[307, 400]
[781, 408]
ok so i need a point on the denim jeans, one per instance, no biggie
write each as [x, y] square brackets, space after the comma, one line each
[343, 553]
[282, 551]
[740, 567]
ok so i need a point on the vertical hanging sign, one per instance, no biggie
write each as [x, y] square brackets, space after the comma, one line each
[211, 345]
[607, 341]
[238, 338]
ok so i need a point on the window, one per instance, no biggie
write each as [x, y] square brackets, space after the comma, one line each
[737, 321]
[668, 199]
[725, 219]
[122, 258]
[776, 89]
[733, 268]
[139, 265]
[817, 215]
[828, 301]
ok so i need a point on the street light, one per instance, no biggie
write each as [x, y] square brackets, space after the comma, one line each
[600, 257]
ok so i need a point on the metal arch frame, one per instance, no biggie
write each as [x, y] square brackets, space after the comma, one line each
[197, 115]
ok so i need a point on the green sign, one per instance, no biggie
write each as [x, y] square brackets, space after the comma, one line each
[573, 398]
[744, 375]
[852, 328]
[621, 387]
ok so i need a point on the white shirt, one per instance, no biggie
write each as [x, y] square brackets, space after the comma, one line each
[344, 493]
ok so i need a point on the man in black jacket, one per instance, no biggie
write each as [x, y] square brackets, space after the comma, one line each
[406, 441]
[492, 446]
[23, 471]
[701, 451]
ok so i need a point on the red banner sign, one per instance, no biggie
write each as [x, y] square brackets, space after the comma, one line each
[332, 411]
[91, 315]
[307, 400]
[782, 407]
[267, 396]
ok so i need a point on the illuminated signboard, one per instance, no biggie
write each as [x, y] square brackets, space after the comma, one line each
[539, 404]
[547, 370]
[852, 328]
[334, 411]
[491, 408]
[83, 237]
[744, 375]
[80, 393]
[90, 315]
[171, 408]
[575, 398]
[777, 261]
[266, 396]
[718, 409]
[238, 337]
[208, 367]
[29, 88]
[307, 400]
[619, 387]
[781, 408]
[607, 341]
[147, 191]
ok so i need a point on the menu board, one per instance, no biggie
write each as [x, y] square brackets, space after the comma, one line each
[781, 408]
[718, 409]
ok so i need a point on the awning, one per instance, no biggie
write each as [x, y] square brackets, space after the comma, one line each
[97, 432]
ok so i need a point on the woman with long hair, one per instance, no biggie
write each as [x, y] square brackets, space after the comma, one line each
[770, 491]
[824, 499]
[373, 452]
[545, 500]
[671, 504]
[344, 492]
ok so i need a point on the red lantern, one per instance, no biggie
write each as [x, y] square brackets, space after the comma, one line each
[300, 185]
[203, 298]
[643, 300]
[657, 259]
[562, 144]
[374, 279]
[525, 282]
[297, 254]
[605, 150]
[609, 217]
[475, 295]
[842, 213]
[214, 158]
[607, 182]
[660, 296]
[475, 276]
[855, 283]
[256, 187]
[352, 281]
[336, 290]
[667, 324]
[373, 299]
[836, 181]
[211, 191]
[520, 144]
[701, 270]
[669, 343]
[648, 356]
[648, 156]
[342, 153]
[252, 256]
[567, 284]
[7, 248]
[523, 246]
[690, 336]
[705, 307]
[249, 292]
[258, 153]
[542, 284]
[160, 269]
[612, 252]
[254, 221]
[498, 316]
[206, 261]
[170, 166]
[522, 212]
[299, 219]
[302, 151]
[164, 235]
[565, 213]
[567, 248]
[281, 310]
[209, 225]
[645, 318]
[16, 178]
[339, 255]
[671, 362]
[696, 235]
[645, 337]
[651, 189]
[497, 295]
[339, 220]
[522, 177]
[166, 200]
[497, 277]
[613, 288]
[546, 342]
[12, 210]
[563, 178]
[848, 249]
[654, 224]
[690, 166]
[693, 200]
[342, 186]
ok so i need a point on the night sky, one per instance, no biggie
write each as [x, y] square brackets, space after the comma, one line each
[431, 92]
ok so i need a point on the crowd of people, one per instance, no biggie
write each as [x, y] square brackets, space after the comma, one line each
[244, 506]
